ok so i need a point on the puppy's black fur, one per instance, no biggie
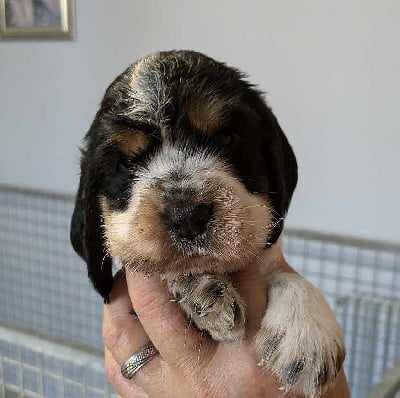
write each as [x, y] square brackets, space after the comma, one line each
[248, 138]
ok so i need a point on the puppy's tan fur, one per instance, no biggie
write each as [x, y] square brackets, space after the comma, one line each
[132, 143]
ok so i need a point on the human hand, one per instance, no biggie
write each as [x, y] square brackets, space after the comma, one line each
[188, 364]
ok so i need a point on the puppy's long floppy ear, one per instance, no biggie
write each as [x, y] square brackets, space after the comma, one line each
[283, 181]
[86, 233]
[281, 163]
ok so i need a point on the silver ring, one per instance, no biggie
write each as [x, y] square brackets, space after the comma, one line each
[137, 360]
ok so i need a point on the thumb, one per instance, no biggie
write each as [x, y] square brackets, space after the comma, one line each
[163, 320]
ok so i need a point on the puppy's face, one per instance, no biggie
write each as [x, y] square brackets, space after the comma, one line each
[185, 211]
[185, 169]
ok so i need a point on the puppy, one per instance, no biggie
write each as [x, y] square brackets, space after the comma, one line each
[186, 174]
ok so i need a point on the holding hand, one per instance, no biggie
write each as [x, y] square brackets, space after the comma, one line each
[187, 364]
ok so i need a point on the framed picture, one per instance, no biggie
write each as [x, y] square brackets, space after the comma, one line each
[37, 19]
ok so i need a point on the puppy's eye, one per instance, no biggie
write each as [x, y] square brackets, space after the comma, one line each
[126, 163]
[228, 139]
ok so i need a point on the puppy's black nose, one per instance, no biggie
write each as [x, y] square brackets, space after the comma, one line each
[188, 221]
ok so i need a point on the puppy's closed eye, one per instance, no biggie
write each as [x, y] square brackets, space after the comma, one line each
[227, 138]
[127, 163]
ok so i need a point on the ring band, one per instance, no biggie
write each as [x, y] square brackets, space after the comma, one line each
[137, 360]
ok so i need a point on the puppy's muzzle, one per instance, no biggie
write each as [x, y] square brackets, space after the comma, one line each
[186, 221]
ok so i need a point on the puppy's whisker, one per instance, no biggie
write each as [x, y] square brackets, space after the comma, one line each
[275, 212]
[256, 207]
[253, 253]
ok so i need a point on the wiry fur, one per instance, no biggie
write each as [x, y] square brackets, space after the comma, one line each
[178, 131]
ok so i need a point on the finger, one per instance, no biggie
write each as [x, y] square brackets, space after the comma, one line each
[122, 333]
[165, 323]
[124, 336]
[124, 387]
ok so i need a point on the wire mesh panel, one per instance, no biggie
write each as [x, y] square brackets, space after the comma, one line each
[31, 367]
[389, 386]
[340, 266]
[361, 280]
[43, 284]
[44, 289]
[372, 326]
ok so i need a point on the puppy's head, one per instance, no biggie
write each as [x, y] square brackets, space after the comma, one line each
[185, 169]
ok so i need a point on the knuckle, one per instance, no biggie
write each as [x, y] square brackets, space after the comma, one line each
[191, 364]
[113, 335]
[185, 363]
[152, 306]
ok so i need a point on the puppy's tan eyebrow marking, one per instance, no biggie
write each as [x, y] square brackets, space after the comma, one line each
[131, 143]
[205, 113]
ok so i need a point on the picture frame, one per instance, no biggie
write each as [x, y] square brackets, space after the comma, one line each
[37, 19]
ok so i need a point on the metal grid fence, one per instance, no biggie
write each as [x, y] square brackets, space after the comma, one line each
[33, 367]
[361, 280]
[44, 291]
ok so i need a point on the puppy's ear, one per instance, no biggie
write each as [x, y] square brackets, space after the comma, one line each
[87, 235]
[283, 181]
[281, 164]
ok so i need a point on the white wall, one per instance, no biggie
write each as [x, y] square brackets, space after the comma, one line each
[331, 70]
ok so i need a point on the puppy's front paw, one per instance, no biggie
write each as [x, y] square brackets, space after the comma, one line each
[212, 304]
[300, 340]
